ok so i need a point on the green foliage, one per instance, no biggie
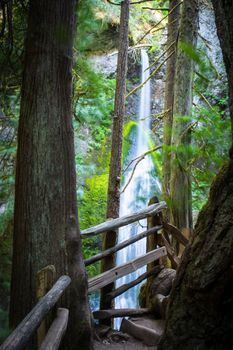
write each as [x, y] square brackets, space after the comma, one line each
[97, 28]
[142, 20]
[89, 26]
[212, 139]
[129, 133]
[92, 211]
[93, 103]
[156, 157]
[93, 106]
[205, 69]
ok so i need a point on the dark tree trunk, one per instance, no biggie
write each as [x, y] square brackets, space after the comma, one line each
[181, 203]
[113, 204]
[201, 307]
[223, 17]
[46, 229]
[172, 37]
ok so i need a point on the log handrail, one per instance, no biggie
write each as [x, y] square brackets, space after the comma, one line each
[56, 331]
[20, 336]
[121, 245]
[124, 220]
[119, 271]
[122, 289]
[176, 233]
[112, 313]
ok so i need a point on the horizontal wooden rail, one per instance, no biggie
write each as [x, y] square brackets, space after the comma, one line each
[20, 336]
[103, 314]
[171, 253]
[110, 276]
[176, 233]
[124, 220]
[56, 331]
[121, 245]
[122, 289]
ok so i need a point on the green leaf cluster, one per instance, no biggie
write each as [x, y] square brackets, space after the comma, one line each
[211, 142]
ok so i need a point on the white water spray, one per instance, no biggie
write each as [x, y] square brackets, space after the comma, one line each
[138, 192]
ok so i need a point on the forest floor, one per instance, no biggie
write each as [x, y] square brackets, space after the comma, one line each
[130, 344]
[117, 340]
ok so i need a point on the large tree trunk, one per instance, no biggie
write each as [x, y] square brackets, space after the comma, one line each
[201, 307]
[181, 206]
[113, 204]
[171, 46]
[46, 229]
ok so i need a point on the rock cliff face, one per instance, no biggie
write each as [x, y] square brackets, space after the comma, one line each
[208, 41]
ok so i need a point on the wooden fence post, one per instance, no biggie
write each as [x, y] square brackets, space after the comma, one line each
[153, 241]
[44, 281]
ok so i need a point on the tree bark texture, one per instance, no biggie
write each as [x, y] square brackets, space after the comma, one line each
[45, 192]
[201, 307]
[113, 204]
[172, 38]
[223, 17]
[181, 207]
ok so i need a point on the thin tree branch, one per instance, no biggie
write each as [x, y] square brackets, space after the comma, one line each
[156, 25]
[131, 48]
[132, 3]
[139, 2]
[138, 160]
[156, 8]
[205, 99]
[151, 75]
[148, 152]
[114, 3]
[189, 127]
[162, 114]
[163, 53]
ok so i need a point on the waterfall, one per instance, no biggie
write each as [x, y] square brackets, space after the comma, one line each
[138, 192]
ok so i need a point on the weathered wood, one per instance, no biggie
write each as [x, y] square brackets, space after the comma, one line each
[109, 276]
[129, 285]
[44, 281]
[56, 331]
[124, 220]
[121, 245]
[159, 305]
[154, 241]
[20, 336]
[175, 233]
[171, 253]
[147, 335]
[103, 314]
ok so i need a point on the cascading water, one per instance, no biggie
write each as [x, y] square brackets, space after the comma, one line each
[138, 192]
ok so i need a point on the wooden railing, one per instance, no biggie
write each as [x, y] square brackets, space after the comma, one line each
[119, 271]
[167, 231]
[21, 335]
